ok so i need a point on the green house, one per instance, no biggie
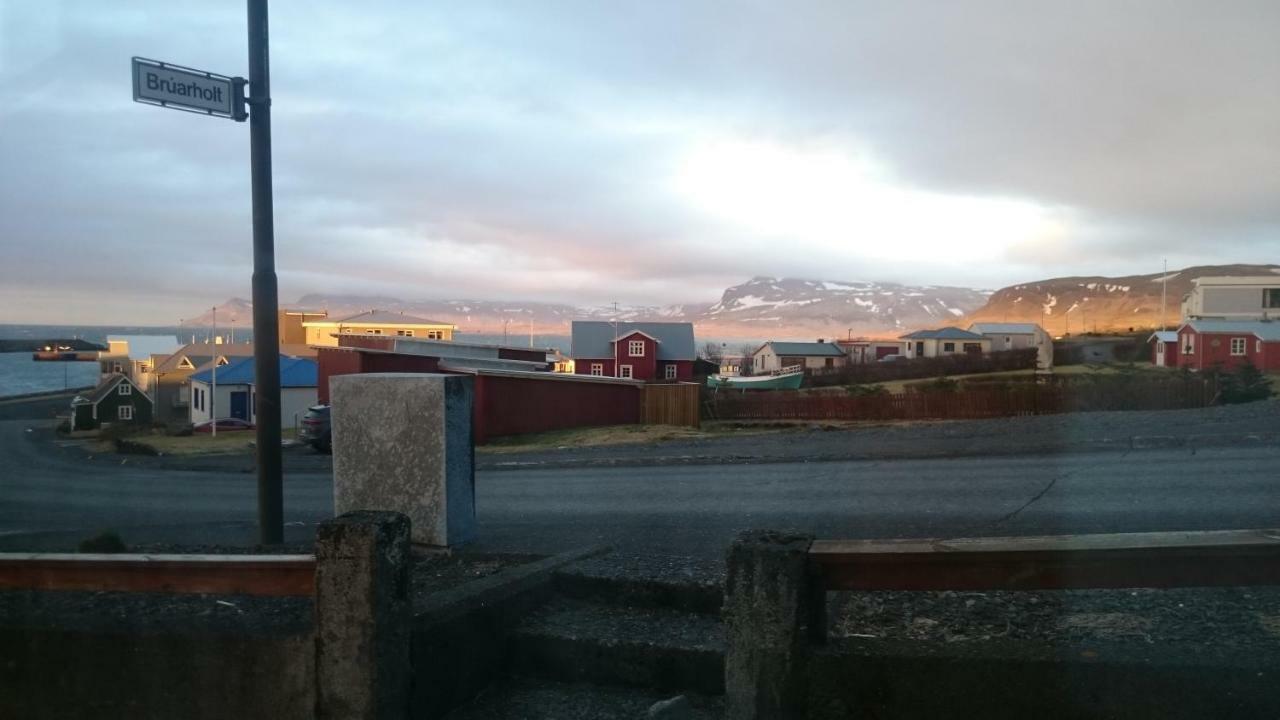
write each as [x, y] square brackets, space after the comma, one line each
[114, 400]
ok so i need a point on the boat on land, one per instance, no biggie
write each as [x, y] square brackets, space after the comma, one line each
[787, 378]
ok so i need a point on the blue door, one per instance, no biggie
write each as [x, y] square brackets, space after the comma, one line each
[240, 405]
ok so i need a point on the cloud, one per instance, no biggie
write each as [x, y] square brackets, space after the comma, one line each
[654, 153]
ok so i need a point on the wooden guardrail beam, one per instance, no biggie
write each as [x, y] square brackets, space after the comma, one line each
[267, 575]
[1124, 560]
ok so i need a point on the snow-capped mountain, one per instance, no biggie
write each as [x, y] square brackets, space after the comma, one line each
[1097, 303]
[793, 307]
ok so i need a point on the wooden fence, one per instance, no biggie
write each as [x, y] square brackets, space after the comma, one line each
[268, 575]
[966, 404]
[673, 404]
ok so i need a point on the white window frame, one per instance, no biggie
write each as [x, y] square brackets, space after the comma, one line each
[372, 331]
[1242, 344]
[597, 369]
[626, 371]
[124, 388]
[635, 348]
[404, 333]
[1257, 346]
[1189, 348]
[124, 412]
[671, 371]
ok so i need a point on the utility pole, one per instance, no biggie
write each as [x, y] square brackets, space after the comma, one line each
[266, 340]
[1164, 289]
[213, 391]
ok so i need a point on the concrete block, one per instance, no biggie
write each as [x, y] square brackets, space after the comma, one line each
[403, 442]
[766, 614]
[364, 616]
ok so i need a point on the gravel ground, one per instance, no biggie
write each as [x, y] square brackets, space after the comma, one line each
[1041, 434]
[1243, 618]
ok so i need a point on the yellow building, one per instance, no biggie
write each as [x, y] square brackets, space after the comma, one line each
[375, 322]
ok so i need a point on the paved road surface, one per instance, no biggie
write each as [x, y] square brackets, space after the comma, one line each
[678, 510]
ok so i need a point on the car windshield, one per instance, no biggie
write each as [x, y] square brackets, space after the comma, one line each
[543, 359]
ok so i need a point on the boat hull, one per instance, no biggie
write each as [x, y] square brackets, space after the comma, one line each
[757, 382]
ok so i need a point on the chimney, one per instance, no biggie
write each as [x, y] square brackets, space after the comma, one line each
[822, 340]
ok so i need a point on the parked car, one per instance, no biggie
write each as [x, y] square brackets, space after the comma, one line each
[315, 428]
[890, 358]
[224, 425]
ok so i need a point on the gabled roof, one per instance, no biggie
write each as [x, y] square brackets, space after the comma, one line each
[638, 332]
[105, 388]
[201, 353]
[1164, 336]
[811, 349]
[1002, 328]
[946, 333]
[593, 339]
[379, 317]
[1269, 331]
[294, 372]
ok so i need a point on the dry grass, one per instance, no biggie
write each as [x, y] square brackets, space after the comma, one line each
[619, 435]
[236, 441]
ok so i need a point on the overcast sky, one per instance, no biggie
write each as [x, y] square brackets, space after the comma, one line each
[650, 152]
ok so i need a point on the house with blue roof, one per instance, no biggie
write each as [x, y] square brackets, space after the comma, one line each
[816, 356]
[945, 341]
[228, 391]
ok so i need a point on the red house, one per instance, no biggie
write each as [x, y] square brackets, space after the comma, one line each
[649, 351]
[1205, 344]
[1164, 348]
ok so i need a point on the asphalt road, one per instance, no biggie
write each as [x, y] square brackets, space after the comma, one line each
[674, 510]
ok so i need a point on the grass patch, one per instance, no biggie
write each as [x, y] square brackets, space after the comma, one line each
[618, 435]
[236, 441]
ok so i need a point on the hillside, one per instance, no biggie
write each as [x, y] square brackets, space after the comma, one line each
[1098, 303]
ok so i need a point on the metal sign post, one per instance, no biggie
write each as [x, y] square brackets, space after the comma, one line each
[182, 88]
[266, 339]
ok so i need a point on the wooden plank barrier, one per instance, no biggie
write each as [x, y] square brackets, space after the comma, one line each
[670, 404]
[1212, 558]
[265, 575]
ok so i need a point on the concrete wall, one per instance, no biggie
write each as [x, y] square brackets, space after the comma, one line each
[1016, 680]
[106, 669]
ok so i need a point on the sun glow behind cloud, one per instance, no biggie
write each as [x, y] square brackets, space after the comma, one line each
[828, 200]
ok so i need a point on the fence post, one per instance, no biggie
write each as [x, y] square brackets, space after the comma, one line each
[766, 612]
[363, 616]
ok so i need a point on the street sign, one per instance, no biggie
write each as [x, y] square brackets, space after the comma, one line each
[183, 88]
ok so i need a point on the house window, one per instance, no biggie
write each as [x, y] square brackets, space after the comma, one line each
[223, 361]
[1257, 347]
[124, 412]
[671, 371]
[597, 369]
[115, 367]
[125, 388]
[635, 348]
[373, 331]
[1271, 298]
[1189, 346]
[831, 362]
[185, 364]
[1238, 346]
[948, 347]
[404, 333]
[434, 335]
[624, 371]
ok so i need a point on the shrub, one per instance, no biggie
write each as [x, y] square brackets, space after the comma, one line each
[1246, 384]
[865, 390]
[107, 541]
[941, 384]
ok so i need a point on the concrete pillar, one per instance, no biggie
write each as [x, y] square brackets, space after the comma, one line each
[766, 614]
[364, 615]
[403, 442]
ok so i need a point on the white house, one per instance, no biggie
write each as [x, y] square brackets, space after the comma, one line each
[809, 355]
[1016, 336]
[234, 396]
[945, 341]
[1233, 298]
